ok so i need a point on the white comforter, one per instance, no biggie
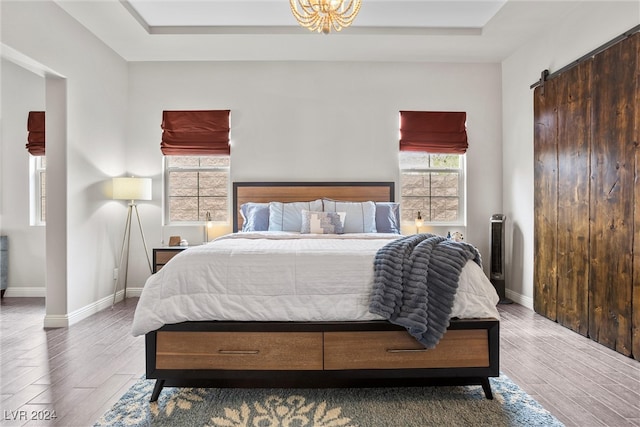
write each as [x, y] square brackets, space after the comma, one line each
[283, 277]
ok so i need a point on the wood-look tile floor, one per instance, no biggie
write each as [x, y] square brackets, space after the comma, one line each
[80, 371]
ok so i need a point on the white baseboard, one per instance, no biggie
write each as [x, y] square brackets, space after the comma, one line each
[519, 298]
[25, 291]
[56, 321]
[63, 321]
[133, 292]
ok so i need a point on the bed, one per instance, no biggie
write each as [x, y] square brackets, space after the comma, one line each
[252, 336]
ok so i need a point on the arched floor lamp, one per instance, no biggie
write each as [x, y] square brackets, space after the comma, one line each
[132, 189]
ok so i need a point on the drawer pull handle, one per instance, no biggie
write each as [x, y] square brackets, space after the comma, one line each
[406, 350]
[238, 351]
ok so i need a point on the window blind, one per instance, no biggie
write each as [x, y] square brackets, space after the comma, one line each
[195, 132]
[433, 131]
[35, 133]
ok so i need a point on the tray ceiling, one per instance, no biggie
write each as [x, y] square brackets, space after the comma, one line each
[261, 30]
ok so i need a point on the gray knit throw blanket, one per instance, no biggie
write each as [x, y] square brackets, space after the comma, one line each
[415, 282]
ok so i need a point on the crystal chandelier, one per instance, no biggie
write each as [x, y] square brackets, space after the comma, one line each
[323, 15]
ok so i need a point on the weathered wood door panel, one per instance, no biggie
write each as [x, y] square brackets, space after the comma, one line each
[545, 172]
[612, 205]
[635, 330]
[574, 148]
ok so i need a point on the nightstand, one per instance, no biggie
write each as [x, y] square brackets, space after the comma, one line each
[161, 256]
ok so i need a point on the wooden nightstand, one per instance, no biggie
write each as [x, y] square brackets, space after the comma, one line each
[161, 256]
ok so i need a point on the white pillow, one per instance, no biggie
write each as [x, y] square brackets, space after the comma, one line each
[361, 216]
[288, 216]
[322, 222]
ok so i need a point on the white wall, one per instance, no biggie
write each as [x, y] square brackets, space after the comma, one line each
[290, 121]
[591, 25]
[295, 121]
[94, 88]
[22, 91]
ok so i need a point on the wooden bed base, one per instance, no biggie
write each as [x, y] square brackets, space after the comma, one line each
[323, 354]
[317, 354]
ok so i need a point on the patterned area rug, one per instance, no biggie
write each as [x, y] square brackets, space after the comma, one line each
[362, 407]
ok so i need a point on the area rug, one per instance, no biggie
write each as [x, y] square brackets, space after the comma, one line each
[350, 407]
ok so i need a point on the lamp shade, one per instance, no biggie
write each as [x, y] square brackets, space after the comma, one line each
[132, 188]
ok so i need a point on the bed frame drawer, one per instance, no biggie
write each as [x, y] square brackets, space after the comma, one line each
[399, 350]
[239, 351]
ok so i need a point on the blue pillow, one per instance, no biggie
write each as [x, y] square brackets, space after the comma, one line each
[255, 216]
[361, 216]
[388, 217]
[288, 216]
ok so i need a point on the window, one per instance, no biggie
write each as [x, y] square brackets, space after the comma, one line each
[38, 167]
[432, 184]
[195, 185]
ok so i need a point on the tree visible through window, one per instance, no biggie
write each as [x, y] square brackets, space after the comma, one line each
[196, 185]
[432, 184]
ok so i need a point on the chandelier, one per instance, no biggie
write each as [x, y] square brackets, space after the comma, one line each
[323, 15]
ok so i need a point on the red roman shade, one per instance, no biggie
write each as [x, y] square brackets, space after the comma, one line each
[433, 131]
[35, 133]
[195, 133]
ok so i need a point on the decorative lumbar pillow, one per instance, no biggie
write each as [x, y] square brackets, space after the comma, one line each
[255, 216]
[322, 222]
[388, 217]
[361, 216]
[288, 216]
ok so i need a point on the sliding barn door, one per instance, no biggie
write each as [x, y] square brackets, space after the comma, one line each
[586, 143]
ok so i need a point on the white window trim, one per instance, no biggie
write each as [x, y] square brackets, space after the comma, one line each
[165, 197]
[462, 185]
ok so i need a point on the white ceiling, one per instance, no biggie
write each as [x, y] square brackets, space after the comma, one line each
[376, 13]
[256, 30]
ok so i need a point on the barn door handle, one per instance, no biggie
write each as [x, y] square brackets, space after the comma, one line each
[406, 350]
[238, 351]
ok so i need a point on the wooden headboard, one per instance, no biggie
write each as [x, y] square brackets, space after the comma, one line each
[262, 192]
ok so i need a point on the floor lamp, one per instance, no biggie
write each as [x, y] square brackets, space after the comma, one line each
[132, 189]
